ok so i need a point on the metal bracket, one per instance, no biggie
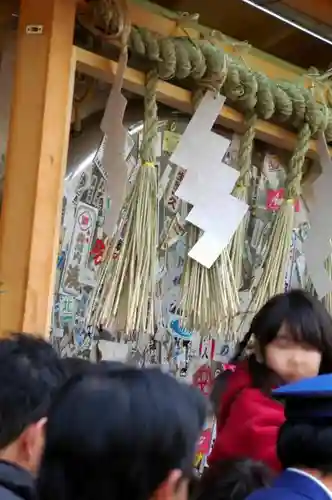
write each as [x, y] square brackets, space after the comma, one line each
[34, 29]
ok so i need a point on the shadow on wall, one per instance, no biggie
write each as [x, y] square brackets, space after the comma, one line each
[2, 175]
[7, 61]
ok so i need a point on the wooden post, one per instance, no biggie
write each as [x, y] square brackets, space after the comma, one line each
[35, 164]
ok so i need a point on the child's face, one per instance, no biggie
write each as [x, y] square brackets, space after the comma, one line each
[292, 360]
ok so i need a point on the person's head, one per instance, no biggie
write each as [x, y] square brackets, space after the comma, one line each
[79, 366]
[292, 336]
[30, 373]
[76, 366]
[232, 480]
[121, 433]
[306, 445]
[305, 439]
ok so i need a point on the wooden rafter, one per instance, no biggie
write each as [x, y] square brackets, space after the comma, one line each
[319, 10]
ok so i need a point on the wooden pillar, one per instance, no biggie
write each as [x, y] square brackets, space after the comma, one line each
[35, 164]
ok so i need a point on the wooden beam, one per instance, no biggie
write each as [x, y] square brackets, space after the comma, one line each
[35, 165]
[318, 10]
[280, 36]
[166, 23]
[178, 98]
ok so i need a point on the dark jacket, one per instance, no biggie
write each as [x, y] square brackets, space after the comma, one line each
[15, 483]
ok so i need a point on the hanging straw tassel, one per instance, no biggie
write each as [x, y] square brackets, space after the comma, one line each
[272, 279]
[209, 297]
[241, 191]
[131, 279]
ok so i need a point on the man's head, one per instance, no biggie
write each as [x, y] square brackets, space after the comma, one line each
[305, 439]
[30, 373]
[132, 431]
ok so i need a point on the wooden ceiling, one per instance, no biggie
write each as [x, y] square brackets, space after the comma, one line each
[244, 22]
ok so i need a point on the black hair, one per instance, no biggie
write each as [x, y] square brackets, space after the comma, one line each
[76, 366]
[118, 434]
[79, 366]
[30, 374]
[232, 480]
[218, 388]
[307, 320]
[306, 444]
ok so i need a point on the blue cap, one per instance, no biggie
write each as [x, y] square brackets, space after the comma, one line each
[307, 399]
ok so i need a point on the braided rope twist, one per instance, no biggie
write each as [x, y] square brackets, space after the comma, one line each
[244, 157]
[150, 127]
[200, 60]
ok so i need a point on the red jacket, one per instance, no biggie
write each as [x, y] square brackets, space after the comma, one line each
[248, 423]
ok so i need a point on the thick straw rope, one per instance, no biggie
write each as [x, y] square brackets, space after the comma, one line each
[272, 279]
[251, 91]
[183, 58]
[254, 94]
[106, 19]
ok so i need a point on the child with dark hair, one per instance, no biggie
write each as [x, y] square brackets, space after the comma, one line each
[232, 480]
[304, 443]
[121, 433]
[292, 336]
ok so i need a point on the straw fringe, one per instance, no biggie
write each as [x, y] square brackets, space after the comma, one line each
[129, 282]
[209, 296]
[272, 279]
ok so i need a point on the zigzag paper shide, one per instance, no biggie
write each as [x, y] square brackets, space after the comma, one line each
[208, 182]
